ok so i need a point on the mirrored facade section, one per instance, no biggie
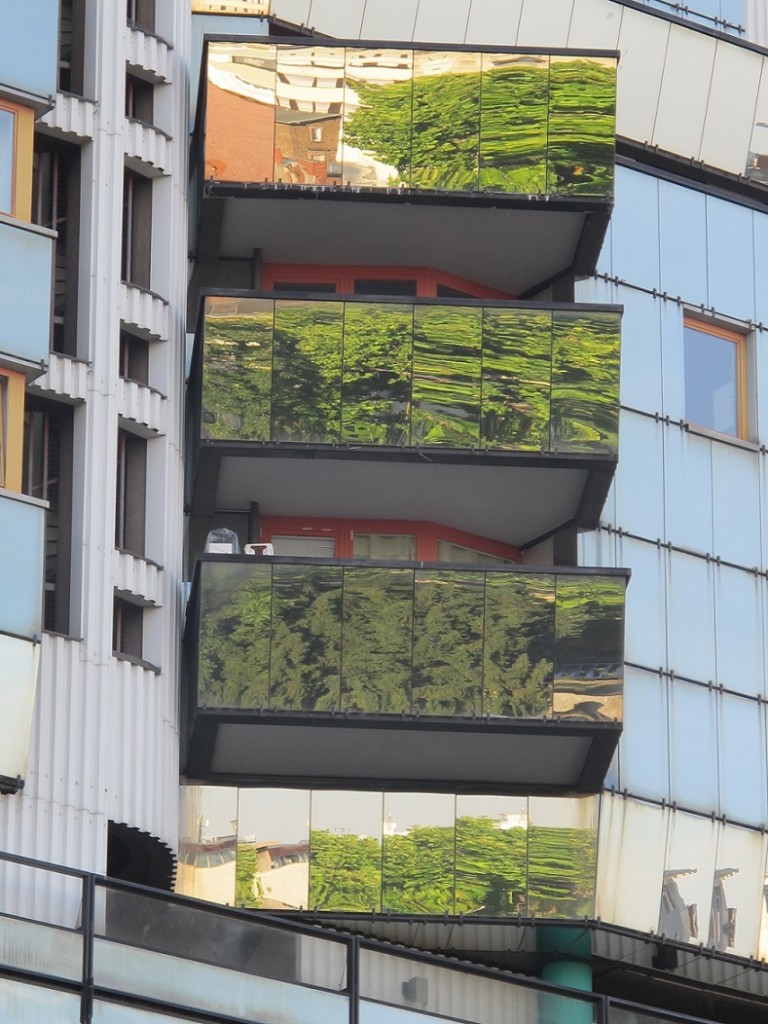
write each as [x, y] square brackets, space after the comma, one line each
[447, 642]
[562, 857]
[418, 844]
[690, 884]
[273, 849]
[424, 120]
[345, 851]
[501, 377]
[491, 855]
[208, 850]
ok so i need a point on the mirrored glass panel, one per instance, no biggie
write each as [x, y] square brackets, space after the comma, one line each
[689, 878]
[234, 652]
[445, 140]
[562, 842]
[516, 379]
[738, 891]
[240, 112]
[589, 641]
[208, 844]
[446, 376]
[378, 634]
[519, 645]
[418, 853]
[491, 855]
[513, 123]
[307, 371]
[309, 97]
[378, 98]
[306, 637]
[273, 849]
[376, 386]
[448, 642]
[237, 369]
[582, 125]
[585, 381]
[345, 858]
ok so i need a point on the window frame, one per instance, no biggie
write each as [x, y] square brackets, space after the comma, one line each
[12, 386]
[21, 160]
[740, 339]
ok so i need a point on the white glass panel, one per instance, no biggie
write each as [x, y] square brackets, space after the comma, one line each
[389, 19]
[730, 255]
[643, 751]
[30, 1004]
[548, 21]
[640, 510]
[207, 847]
[438, 22]
[739, 626]
[492, 22]
[684, 92]
[335, 19]
[688, 878]
[643, 44]
[738, 891]
[688, 484]
[693, 746]
[636, 228]
[632, 848]
[645, 638]
[736, 493]
[641, 386]
[683, 238]
[730, 110]
[19, 660]
[743, 779]
[594, 24]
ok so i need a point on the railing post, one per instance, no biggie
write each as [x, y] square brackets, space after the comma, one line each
[353, 979]
[86, 998]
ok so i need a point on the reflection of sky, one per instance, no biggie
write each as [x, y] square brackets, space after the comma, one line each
[274, 815]
[406, 810]
[346, 813]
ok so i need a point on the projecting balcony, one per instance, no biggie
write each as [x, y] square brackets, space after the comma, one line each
[496, 166]
[404, 673]
[502, 416]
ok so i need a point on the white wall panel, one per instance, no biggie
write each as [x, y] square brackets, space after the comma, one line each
[693, 746]
[679, 124]
[640, 509]
[691, 617]
[736, 504]
[731, 105]
[643, 45]
[389, 19]
[595, 23]
[683, 243]
[492, 22]
[646, 610]
[545, 24]
[644, 746]
[641, 378]
[295, 11]
[636, 229]
[688, 484]
[730, 255]
[335, 19]
[438, 22]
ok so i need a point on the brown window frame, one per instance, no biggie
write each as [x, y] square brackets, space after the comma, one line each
[21, 159]
[740, 340]
[11, 429]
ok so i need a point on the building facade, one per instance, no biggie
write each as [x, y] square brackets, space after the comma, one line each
[402, 549]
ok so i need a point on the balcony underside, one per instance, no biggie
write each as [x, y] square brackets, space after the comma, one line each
[552, 757]
[516, 245]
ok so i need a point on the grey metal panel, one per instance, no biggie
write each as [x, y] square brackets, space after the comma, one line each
[683, 243]
[730, 257]
[730, 110]
[548, 21]
[389, 19]
[743, 777]
[645, 640]
[643, 750]
[693, 713]
[640, 509]
[641, 375]
[736, 504]
[684, 90]
[636, 228]
[439, 22]
[491, 22]
[739, 624]
[643, 44]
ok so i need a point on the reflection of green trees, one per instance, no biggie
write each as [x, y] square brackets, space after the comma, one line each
[474, 867]
[394, 640]
[392, 373]
[518, 127]
[247, 868]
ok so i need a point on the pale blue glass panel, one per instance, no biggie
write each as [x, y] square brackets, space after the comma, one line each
[690, 597]
[689, 873]
[645, 641]
[19, 660]
[26, 256]
[683, 240]
[643, 748]
[736, 493]
[7, 159]
[739, 626]
[733, 11]
[738, 891]
[22, 542]
[743, 780]
[760, 223]
[641, 378]
[636, 228]
[673, 367]
[30, 1004]
[688, 485]
[730, 255]
[112, 1013]
[693, 746]
[29, 46]
[641, 509]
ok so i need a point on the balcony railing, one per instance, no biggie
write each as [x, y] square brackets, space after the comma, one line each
[489, 376]
[373, 118]
[395, 639]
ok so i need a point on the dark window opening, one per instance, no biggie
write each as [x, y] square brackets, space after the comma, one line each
[127, 629]
[71, 48]
[372, 286]
[131, 492]
[137, 229]
[303, 286]
[134, 358]
[141, 14]
[139, 99]
[56, 205]
[444, 292]
[48, 476]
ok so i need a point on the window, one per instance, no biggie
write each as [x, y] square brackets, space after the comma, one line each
[11, 429]
[131, 492]
[71, 35]
[141, 14]
[16, 140]
[127, 629]
[137, 229]
[139, 99]
[715, 377]
[391, 546]
[134, 358]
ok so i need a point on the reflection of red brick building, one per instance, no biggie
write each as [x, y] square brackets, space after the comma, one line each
[306, 147]
[238, 137]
